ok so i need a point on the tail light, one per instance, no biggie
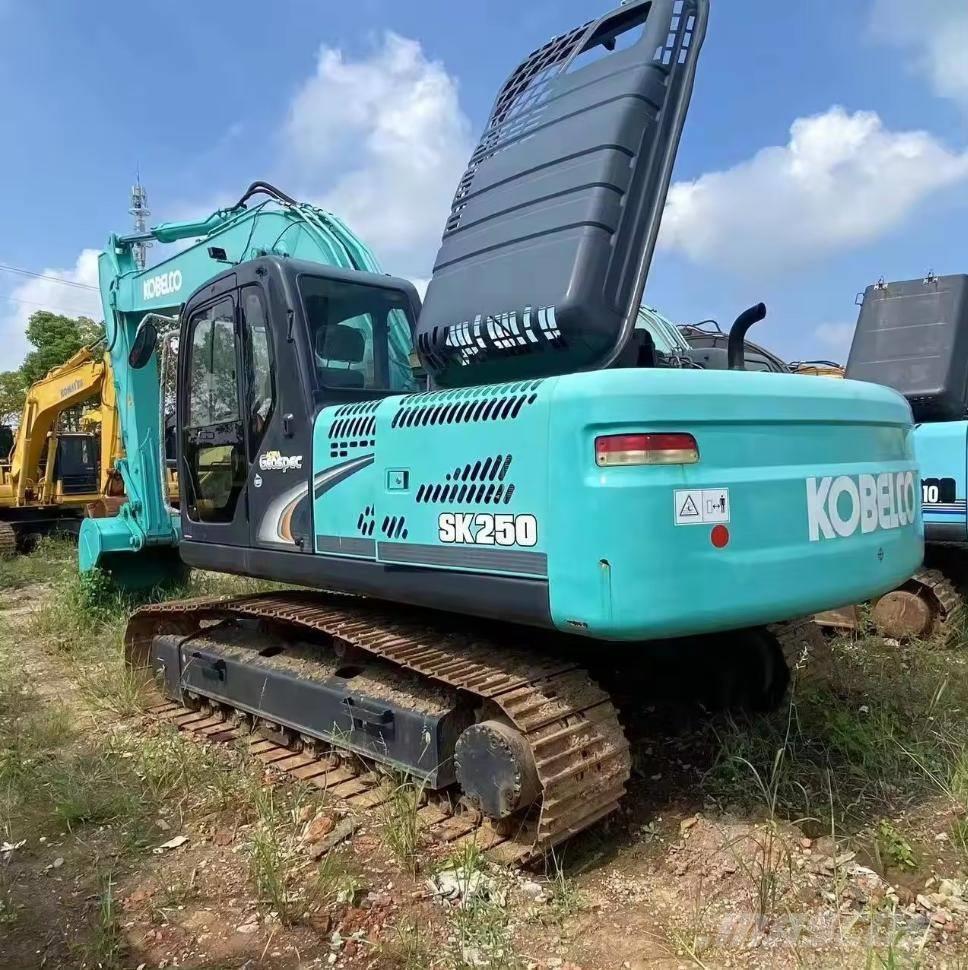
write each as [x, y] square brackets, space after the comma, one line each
[646, 449]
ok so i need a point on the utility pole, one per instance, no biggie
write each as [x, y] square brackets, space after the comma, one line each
[139, 209]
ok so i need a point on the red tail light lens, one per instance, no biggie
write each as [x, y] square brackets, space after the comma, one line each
[646, 449]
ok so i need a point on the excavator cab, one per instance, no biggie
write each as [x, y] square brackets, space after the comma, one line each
[76, 465]
[264, 348]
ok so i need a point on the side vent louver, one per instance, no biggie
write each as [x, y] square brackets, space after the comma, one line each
[481, 482]
[353, 428]
[501, 402]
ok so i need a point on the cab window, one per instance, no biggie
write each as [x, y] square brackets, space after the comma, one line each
[260, 383]
[214, 444]
[213, 392]
[361, 335]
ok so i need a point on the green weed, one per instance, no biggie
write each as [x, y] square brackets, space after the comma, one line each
[50, 560]
[402, 826]
[409, 949]
[565, 897]
[104, 948]
[892, 848]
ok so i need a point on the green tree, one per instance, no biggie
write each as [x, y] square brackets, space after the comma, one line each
[12, 393]
[55, 339]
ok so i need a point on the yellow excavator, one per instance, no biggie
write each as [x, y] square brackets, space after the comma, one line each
[52, 476]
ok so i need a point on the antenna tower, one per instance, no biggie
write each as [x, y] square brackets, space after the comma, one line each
[139, 209]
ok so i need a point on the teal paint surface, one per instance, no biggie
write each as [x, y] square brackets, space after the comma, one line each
[942, 451]
[617, 565]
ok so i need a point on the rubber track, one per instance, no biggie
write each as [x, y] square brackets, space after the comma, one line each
[580, 751]
[8, 541]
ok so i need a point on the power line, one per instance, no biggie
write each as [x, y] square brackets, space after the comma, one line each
[44, 276]
[49, 306]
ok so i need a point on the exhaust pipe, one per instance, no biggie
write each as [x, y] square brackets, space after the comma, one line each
[736, 351]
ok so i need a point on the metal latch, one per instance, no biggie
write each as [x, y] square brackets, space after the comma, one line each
[363, 714]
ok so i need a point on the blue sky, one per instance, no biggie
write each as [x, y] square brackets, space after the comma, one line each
[822, 149]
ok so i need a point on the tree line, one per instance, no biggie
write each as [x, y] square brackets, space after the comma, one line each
[54, 339]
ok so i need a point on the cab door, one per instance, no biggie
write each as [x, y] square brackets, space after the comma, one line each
[277, 430]
[214, 458]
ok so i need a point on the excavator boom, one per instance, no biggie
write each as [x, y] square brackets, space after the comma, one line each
[278, 225]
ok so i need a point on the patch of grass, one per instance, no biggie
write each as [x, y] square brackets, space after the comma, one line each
[271, 860]
[202, 583]
[104, 947]
[765, 858]
[565, 899]
[336, 880]
[480, 937]
[49, 561]
[90, 788]
[766, 862]
[111, 686]
[57, 773]
[81, 615]
[959, 836]
[479, 921]
[893, 955]
[411, 948]
[884, 728]
[402, 826]
[286, 882]
[8, 906]
[175, 895]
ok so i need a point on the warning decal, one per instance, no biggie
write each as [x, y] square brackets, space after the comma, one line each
[702, 506]
[689, 509]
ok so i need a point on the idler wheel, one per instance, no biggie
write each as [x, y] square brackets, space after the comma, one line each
[495, 768]
[903, 615]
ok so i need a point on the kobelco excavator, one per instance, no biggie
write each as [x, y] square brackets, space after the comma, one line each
[561, 484]
[912, 335]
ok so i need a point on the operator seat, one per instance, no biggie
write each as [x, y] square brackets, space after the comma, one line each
[342, 344]
[639, 351]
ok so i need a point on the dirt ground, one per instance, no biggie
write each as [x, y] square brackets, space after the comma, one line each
[738, 844]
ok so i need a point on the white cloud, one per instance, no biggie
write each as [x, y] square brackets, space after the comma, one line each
[935, 32]
[381, 141]
[47, 294]
[836, 338]
[841, 181]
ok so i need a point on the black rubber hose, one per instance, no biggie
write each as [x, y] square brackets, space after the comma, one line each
[736, 348]
[266, 188]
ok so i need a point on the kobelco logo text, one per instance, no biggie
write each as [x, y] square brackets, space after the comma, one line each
[164, 284]
[274, 461]
[841, 506]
